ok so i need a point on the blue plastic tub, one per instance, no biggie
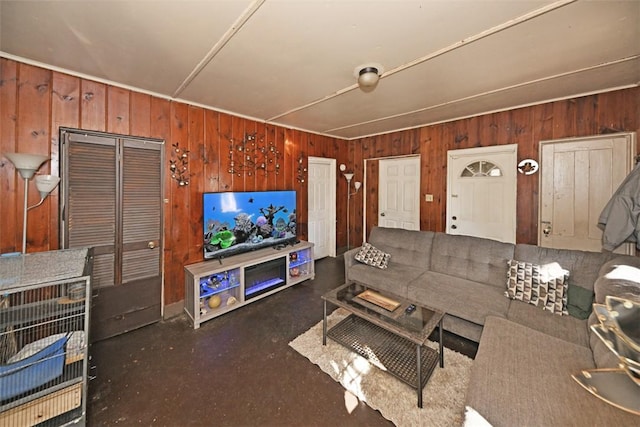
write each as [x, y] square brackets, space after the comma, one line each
[33, 371]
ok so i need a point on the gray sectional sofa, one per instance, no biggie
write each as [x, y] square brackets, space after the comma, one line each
[521, 375]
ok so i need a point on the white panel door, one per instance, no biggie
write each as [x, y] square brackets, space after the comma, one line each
[399, 199]
[482, 188]
[322, 206]
[577, 179]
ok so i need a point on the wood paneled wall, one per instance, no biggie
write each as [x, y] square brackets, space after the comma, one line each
[610, 112]
[35, 102]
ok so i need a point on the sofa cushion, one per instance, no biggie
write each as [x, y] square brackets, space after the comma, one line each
[370, 255]
[584, 266]
[462, 298]
[579, 301]
[394, 279]
[541, 285]
[410, 254]
[408, 247]
[464, 328]
[471, 258]
[522, 377]
[567, 328]
[553, 294]
[522, 281]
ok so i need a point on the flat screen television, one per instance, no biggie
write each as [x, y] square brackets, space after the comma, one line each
[236, 222]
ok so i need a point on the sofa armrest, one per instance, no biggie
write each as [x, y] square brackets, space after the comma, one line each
[349, 261]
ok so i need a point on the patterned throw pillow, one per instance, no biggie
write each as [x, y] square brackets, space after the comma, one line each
[541, 285]
[370, 255]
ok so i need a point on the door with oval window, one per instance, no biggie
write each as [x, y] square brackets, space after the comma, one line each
[112, 201]
[481, 192]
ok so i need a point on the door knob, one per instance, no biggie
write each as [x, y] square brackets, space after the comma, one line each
[454, 218]
[382, 214]
[151, 245]
[546, 229]
[453, 227]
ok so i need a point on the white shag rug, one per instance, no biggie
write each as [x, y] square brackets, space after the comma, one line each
[443, 396]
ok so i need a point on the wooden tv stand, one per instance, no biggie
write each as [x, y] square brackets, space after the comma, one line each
[215, 287]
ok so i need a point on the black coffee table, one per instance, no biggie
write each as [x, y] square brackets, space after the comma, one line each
[390, 338]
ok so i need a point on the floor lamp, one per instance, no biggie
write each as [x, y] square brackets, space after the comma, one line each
[27, 165]
[356, 185]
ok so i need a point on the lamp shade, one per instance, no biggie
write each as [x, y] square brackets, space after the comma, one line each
[26, 164]
[348, 176]
[46, 184]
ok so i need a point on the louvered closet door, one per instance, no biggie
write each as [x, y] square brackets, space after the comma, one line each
[112, 192]
[141, 211]
[90, 210]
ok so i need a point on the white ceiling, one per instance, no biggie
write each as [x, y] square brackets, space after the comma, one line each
[292, 62]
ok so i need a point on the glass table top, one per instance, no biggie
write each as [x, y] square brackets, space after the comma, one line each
[415, 325]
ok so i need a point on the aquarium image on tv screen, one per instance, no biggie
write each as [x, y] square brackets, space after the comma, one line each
[236, 222]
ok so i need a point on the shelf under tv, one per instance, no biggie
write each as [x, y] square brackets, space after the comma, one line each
[254, 275]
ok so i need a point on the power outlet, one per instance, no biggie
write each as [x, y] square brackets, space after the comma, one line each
[428, 197]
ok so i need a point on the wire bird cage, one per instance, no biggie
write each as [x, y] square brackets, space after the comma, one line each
[44, 317]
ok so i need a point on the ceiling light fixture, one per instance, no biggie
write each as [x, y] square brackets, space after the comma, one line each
[368, 76]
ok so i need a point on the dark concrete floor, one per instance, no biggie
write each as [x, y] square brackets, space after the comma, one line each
[236, 370]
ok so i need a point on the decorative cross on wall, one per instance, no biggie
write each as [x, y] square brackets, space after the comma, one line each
[179, 167]
[247, 157]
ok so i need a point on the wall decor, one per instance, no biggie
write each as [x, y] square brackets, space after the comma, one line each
[528, 166]
[302, 169]
[251, 154]
[179, 165]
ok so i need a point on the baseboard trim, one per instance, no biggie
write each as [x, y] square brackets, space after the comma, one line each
[173, 310]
